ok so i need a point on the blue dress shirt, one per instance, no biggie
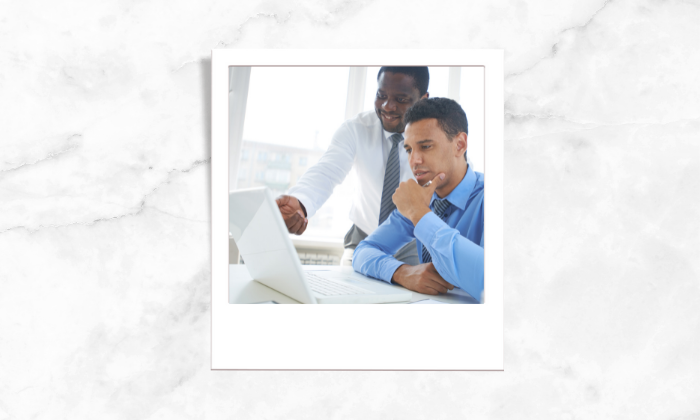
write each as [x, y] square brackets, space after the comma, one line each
[456, 245]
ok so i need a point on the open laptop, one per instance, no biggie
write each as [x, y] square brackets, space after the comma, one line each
[258, 229]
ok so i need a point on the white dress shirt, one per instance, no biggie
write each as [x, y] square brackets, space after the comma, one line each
[361, 142]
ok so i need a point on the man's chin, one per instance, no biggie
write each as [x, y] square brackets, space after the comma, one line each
[424, 182]
[393, 129]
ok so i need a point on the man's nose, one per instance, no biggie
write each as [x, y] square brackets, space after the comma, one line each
[414, 159]
[389, 105]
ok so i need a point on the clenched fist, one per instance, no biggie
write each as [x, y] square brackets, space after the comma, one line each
[412, 200]
[292, 214]
[422, 278]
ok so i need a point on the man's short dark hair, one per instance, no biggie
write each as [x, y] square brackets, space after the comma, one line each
[450, 116]
[420, 76]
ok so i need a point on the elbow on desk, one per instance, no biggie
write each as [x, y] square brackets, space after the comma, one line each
[360, 264]
[355, 262]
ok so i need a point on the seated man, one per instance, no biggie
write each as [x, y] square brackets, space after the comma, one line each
[443, 210]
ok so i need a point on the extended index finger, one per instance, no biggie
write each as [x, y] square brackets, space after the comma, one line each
[281, 200]
[432, 184]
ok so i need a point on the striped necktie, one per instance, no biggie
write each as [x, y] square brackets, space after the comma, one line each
[391, 179]
[439, 207]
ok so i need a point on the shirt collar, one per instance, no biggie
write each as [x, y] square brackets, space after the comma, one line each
[387, 135]
[460, 195]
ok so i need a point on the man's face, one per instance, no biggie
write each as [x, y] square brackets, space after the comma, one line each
[430, 153]
[395, 94]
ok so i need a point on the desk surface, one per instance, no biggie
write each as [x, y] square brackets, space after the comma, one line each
[243, 289]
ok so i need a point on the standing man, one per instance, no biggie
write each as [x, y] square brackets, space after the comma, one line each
[443, 208]
[372, 142]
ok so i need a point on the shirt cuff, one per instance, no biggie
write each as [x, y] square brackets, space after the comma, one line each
[427, 227]
[388, 270]
[306, 203]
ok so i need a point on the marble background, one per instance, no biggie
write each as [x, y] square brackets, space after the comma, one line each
[105, 214]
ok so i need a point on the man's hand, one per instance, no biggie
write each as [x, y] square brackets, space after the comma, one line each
[422, 278]
[412, 200]
[292, 214]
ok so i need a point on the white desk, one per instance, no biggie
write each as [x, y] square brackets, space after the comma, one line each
[243, 289]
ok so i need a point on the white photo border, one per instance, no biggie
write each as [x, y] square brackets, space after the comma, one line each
[358, 337]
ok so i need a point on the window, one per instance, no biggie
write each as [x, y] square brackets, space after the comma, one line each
[242, 173]
[471, 97]
[286, 131]
[283, 119]
[277, 176]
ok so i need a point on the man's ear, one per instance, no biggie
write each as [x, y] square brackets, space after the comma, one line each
[426, 96]
[460, 142]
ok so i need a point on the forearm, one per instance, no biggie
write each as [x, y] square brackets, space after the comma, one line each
[372, 262]
[373, 257]
[457, 259]
[316, 185]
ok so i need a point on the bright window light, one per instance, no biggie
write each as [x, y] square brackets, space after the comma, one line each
[291, 116]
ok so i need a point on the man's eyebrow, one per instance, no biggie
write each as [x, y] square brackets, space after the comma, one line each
[398, 95]
[406, 146]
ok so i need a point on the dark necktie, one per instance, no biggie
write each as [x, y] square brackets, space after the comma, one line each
[439, 207]
[391, 179]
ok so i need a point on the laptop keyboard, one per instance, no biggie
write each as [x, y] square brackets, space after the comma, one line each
[318, 259]
[328, 287]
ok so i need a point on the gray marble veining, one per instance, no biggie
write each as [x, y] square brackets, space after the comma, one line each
[104, 210]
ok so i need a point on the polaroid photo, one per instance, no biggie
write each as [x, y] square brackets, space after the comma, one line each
[345, 185]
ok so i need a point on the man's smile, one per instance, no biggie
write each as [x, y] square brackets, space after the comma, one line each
[390, 118]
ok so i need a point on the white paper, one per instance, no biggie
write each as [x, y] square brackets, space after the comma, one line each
[430, 301]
